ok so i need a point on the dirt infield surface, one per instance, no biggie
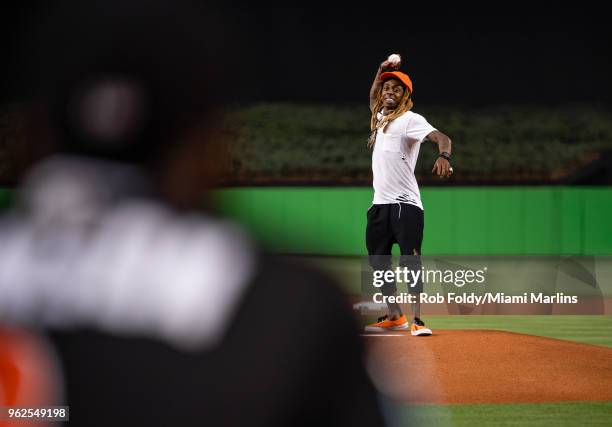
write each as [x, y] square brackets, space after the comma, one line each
[486, 366]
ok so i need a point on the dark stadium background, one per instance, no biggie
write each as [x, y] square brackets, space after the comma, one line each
[527, 96]
[455, 56]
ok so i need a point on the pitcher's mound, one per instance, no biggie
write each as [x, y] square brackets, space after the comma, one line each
[484, 366]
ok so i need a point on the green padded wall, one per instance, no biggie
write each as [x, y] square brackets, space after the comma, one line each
[460, 220]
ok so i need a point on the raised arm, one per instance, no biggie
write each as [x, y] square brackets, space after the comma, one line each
[377, 84]
[442, 167]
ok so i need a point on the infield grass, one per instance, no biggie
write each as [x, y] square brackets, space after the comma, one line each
[530, 415]
[585, 329]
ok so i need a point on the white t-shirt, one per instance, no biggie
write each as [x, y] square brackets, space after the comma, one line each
[394, 158]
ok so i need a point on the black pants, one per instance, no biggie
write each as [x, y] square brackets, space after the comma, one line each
[400, 223]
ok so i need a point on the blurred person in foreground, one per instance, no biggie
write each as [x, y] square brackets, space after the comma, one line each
[135, 308]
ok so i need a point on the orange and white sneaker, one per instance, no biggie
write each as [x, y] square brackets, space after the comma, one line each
[417, 328]
[386, 324]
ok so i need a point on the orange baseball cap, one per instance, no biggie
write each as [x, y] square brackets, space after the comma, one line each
[397, 75]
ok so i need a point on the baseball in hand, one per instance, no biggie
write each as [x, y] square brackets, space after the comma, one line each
[394, 59]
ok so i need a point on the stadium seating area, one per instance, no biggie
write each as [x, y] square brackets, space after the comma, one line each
[296, 144]
[310, 144]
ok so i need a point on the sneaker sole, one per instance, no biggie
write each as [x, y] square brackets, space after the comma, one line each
[390, 328]
[419, 332]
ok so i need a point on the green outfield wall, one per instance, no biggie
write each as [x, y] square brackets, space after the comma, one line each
[460, 220]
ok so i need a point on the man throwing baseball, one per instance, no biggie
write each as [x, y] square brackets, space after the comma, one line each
[396, 214]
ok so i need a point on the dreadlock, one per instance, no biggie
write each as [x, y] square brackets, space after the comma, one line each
[404, 105]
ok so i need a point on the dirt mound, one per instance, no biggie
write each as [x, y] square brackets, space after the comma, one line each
[484, 366]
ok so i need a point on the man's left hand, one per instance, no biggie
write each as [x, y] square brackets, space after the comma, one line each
[442, 168]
